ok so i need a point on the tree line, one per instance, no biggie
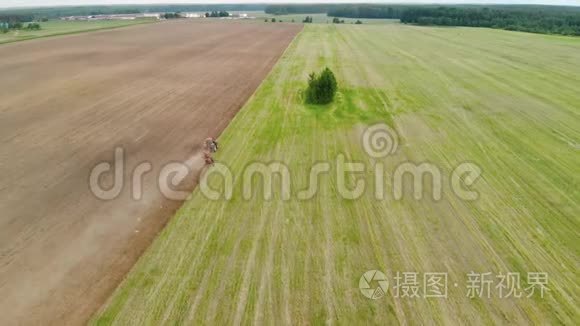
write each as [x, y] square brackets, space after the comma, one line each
[527, 18]
[36, 14]
[367, 11]
[297, 9]
[14, 18]
[171, 15]
[214, 14]
[6, 27]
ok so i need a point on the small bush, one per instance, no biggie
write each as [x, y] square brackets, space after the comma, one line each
[321, 88]
[33, 27]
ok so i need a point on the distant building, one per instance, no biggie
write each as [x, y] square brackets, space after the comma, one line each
[241, 15]
[190, 15]
[152, 15]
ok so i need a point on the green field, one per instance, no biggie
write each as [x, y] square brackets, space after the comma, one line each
[59, 27]
[506, 101]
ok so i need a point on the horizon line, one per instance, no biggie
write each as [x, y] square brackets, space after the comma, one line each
[290, 2]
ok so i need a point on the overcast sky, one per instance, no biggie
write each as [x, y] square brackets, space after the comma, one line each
[44, 3]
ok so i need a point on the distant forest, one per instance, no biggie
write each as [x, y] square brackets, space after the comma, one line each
[534, 19]
[297, 9]
[32, 14]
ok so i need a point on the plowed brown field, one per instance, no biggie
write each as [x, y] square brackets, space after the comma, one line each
[65, 103]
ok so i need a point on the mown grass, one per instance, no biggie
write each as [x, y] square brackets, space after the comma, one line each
[58, 27]
[505, 101]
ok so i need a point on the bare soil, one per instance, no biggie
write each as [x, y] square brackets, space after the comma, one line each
[155, 90]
